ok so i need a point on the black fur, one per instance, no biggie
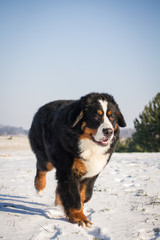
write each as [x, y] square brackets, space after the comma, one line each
[54, 137]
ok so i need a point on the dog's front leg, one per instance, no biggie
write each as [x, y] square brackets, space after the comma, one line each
[68, 190]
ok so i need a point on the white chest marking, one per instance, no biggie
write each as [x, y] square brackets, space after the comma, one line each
[94, 157]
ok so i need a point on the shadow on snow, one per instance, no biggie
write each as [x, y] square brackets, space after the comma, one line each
[18, 205]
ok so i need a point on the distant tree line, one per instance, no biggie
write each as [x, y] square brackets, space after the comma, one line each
[8, 130]
[147, 135]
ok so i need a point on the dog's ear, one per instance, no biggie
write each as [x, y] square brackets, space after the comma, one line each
[79, 117]
[121, 121]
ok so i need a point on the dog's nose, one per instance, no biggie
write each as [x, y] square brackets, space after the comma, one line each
[107, 132]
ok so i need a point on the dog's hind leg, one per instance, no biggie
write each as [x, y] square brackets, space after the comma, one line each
[40, 178]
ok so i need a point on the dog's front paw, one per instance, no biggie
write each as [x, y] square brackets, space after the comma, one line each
[85, 224]
[77, 216]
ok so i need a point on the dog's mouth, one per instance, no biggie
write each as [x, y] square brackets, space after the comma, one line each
[103, 142]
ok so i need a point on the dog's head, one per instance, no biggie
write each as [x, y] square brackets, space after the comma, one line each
[98, 117]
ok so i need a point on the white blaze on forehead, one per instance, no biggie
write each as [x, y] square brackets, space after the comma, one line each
[104, 105]
[106, 123]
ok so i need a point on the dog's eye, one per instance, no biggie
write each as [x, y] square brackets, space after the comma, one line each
[98, 117]
[111, 118]
[110, 115]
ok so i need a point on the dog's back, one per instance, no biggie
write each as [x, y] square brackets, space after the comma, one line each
[43, 121]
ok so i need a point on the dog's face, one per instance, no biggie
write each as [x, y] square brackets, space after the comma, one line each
[100, 120]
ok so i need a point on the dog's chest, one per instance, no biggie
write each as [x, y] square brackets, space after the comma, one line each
[94, 157]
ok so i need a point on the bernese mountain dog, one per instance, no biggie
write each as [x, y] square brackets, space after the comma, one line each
[77, 137]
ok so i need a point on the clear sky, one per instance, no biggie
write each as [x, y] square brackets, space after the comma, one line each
[63, 49]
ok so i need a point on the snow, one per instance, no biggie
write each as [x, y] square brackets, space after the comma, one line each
[125, 202]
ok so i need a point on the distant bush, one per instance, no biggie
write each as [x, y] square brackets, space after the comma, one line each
[126, 145]
[123, 145]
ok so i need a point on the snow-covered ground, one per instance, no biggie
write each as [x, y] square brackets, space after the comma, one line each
[125, 202]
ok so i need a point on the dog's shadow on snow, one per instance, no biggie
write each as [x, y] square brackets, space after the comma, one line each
[20, 205]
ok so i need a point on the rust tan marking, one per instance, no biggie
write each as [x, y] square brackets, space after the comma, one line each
[115, 128]
[109, 112]
[57, 199]
[77, 216]
[83, 126]
[99, 112]
[87, 133]
[83, 192]
[78, 167]
[40, 181]
[118, 113]
[49, 166]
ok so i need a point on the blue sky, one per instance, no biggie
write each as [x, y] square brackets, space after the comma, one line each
[56, 49]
